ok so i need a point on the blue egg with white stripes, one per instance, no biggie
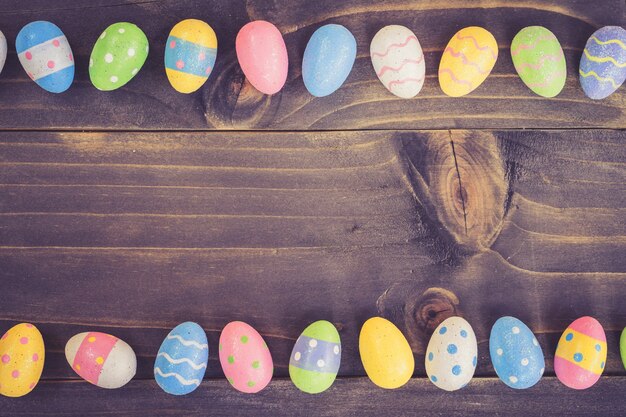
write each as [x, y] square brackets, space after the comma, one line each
[515, 353]
[182, 359]
[603, 62]
[45, 54]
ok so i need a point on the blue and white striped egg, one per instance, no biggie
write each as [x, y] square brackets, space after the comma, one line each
[603, 63]
[451, 355]
[515, 353]
[45, 54]
[182, 359]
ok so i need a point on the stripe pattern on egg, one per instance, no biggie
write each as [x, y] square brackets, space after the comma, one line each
[182, 359]
[398, 60]
[190, 53]
[101, 359]
[316, 357]
[581, 353]
[45, 54]
[603, 63]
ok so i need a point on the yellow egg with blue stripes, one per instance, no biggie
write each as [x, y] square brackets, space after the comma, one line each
[190, 53]
[581, 353]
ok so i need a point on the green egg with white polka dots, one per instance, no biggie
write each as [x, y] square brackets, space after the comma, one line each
[117, 56]
[315, 358]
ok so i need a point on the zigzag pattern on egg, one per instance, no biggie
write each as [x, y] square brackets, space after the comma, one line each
[467, 60]
[182, 359]
[539, 60]
[398, 60]
[603, 63]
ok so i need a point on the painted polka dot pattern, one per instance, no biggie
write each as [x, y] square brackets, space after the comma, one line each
[581, 353]
[45, 54]
[101, 359]
[245, 358]
[515, 353]
[21, 360]
[190, 53]
[451, 356]
[117, 56]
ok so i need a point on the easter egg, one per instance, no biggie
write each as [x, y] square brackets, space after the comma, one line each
[515, 353]
[117, 56]
[182, 359]
[328, 59]
[622, 347]
[581, 353]
[398, 60]
[3, 50]
[101, 359]
[315, 358]
[190, 53]
[262, 55]
[245, 358]
[385, 353]
[22, 356]
[45, 54]
[539, 60]
[603, 63]
[451, 355]
[467, 60]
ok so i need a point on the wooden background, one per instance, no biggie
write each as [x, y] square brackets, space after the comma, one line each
[131, 211]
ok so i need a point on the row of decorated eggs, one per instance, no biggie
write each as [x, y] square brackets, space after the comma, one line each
[395, 51]
[517, 357]
[181, 362]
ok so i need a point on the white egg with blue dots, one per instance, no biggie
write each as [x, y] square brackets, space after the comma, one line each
[451, 355]
[515, 353]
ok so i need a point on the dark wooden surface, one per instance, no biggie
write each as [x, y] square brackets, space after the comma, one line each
[130, 224]
[229, 102]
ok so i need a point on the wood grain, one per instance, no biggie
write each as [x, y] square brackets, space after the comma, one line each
[347, 397]
[132, 234]
[229, 102]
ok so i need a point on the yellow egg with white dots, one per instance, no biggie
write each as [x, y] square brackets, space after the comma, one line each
[22, 355]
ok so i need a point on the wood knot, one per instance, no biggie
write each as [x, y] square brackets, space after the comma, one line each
[418, 311]
[460, 180]
[432, 307]
[231, 102]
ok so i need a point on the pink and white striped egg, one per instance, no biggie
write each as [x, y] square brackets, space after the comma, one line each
[398, 60]
[101, 359]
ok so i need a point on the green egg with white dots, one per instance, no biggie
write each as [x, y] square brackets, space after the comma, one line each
[118, 55]
[315, 358]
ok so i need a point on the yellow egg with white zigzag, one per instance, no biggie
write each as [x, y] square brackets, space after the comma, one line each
[467, 60]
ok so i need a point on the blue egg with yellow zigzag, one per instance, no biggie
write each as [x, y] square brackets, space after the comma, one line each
[603, 63]
[182, 359]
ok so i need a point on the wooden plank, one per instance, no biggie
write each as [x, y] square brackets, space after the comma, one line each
[347, 397]
[228, 101]
[133, 233]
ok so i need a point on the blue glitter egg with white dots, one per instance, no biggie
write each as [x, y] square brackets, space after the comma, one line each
[451, 356]
[515, 353]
